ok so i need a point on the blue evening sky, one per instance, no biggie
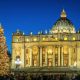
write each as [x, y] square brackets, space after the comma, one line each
[35, 15]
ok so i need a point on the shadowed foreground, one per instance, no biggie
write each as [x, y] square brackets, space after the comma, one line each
[40, 77]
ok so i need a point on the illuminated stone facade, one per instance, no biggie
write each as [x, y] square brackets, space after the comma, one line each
[58, 48]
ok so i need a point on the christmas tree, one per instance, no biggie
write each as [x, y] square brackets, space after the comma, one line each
[4, 58]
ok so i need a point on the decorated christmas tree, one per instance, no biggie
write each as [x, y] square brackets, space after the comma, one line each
[4, 58]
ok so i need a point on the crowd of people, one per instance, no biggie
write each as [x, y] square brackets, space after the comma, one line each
[40, 77]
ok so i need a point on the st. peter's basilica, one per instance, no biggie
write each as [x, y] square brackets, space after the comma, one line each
[56, 50]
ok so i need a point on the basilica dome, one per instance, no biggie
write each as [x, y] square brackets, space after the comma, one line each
[63, 25]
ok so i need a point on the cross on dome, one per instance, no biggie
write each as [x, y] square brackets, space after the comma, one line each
[63, 14]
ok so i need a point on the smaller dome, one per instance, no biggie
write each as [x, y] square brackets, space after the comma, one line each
[18, 32]
[63, 25]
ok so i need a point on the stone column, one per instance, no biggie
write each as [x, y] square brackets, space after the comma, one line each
[46, 57]
[30, 56]
[40, 56]
[38, 64]
[58, 55]
[53, 56]
[78, 55]
[62, 56]
[69, 56]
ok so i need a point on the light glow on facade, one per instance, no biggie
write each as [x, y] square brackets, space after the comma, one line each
[58, 48]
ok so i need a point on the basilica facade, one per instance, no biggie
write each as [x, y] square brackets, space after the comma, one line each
[57, 49]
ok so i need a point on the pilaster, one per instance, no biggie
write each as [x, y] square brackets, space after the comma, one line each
[62, 56]
[40, 57]
[58, 55]
[30, 56]
[46, 57]
[69, 56]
